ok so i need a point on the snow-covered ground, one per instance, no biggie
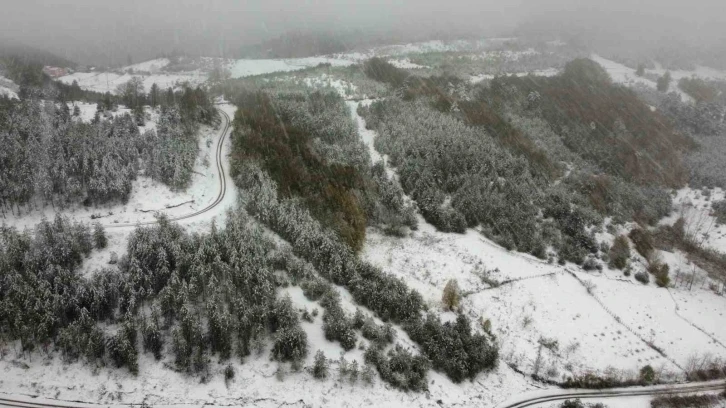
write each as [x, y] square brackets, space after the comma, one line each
[255, 384]
[601, 321]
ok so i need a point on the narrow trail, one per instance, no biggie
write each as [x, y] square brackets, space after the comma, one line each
[220, 173]
[677, 308]
[617, 318]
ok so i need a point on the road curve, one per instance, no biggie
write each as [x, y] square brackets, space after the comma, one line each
[612, 393]
[221, 175]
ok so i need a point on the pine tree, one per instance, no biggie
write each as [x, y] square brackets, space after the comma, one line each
[368, 375]
[99, 236]
[353, 372]
[664, 82]
[153, 338]
[154, 95]
[320, 365]
[343, 367]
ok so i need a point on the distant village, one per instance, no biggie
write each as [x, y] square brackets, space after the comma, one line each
[56, 72]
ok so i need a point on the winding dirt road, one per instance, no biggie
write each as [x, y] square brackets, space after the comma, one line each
[220, 175]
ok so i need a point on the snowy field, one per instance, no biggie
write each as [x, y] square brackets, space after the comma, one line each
[625, 75]
[251, 67]
[109, 81]
[151, 66]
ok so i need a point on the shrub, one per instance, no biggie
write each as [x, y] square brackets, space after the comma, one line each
[368, 375]
[576, 403]
[591, 264]
[698, 89]
[291, 344]
[399, 368]
[642, 277]
[354, 372]
[620, 252]
[678, 401]
[719, 210]
[383, 71]
[592, 381]
[336, 325]
[229, 373]
[451, 296]
[473, 353]
[315, 288]
[660, 271]
[381, 335]
[643, 241]
[647, 375]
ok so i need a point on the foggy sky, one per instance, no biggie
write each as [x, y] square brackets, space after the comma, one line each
[105, 32]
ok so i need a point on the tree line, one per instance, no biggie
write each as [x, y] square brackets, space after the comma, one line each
[191, 297]
[521, 159]
[277, 196]
[309, 145]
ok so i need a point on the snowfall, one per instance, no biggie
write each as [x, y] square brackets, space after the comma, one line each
[602, 321]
